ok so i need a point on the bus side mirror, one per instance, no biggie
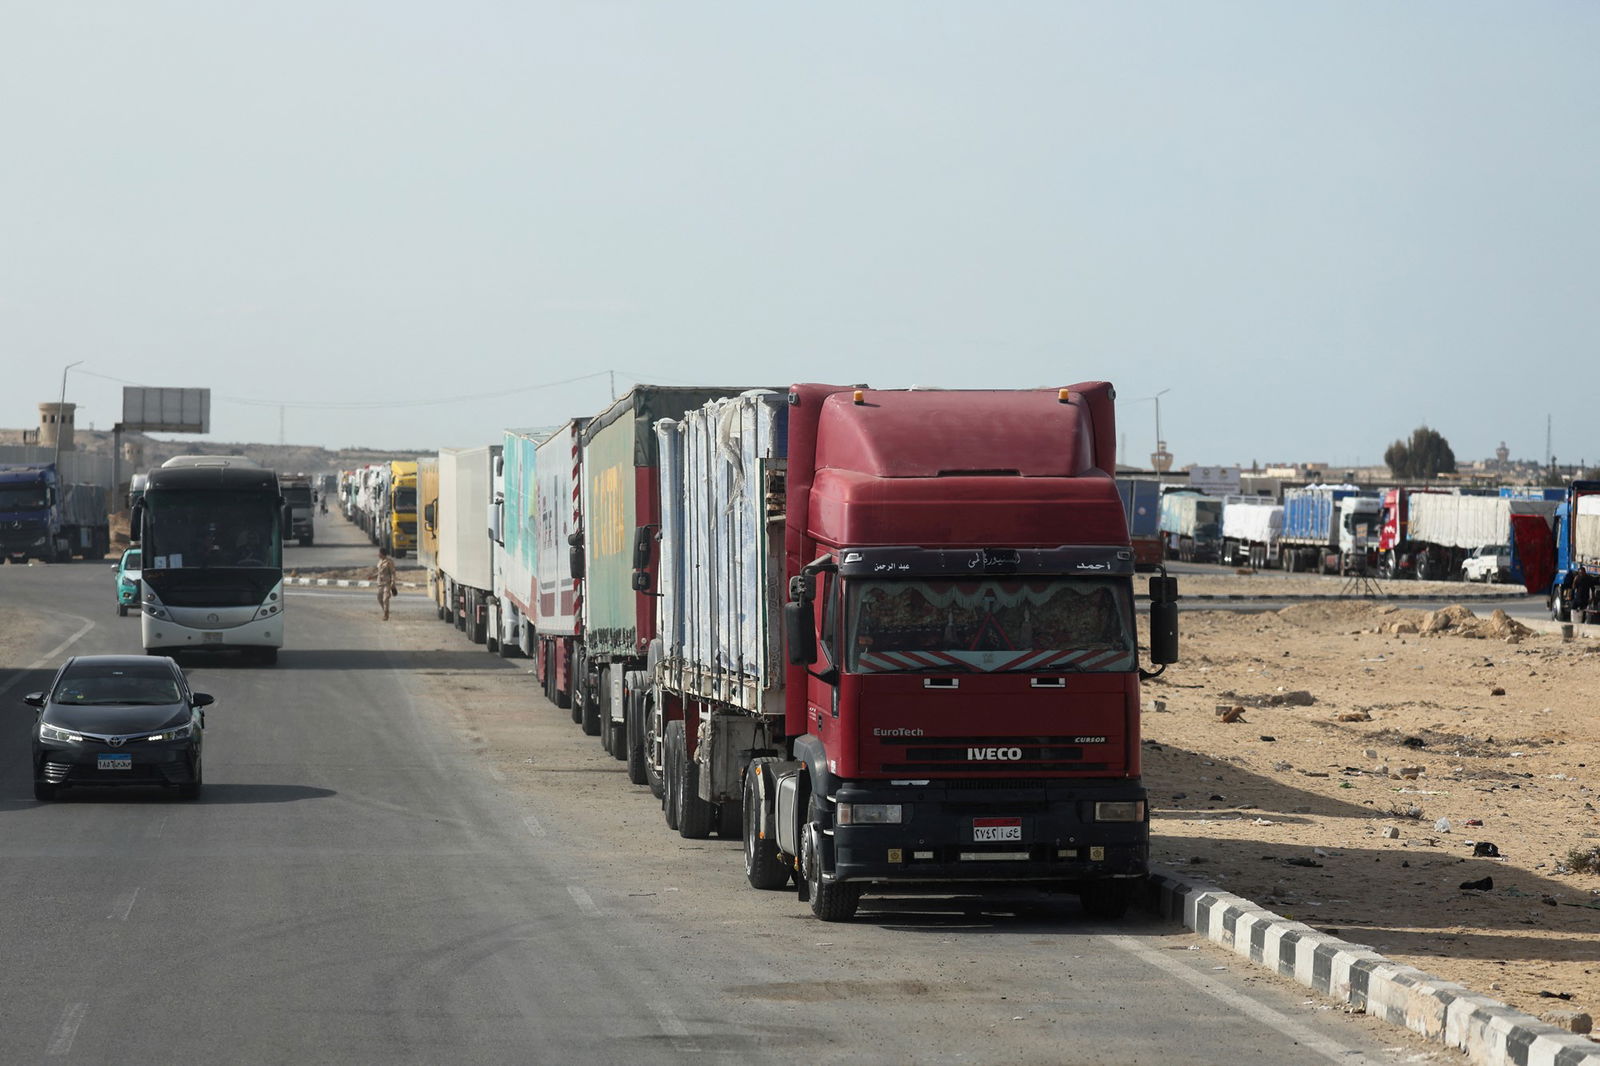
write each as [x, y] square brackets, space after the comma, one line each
[1163, 620]
[802, 642]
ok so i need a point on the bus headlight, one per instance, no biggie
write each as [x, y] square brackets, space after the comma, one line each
[871, 813]
[1119, 811]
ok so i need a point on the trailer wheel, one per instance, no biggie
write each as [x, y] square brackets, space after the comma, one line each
[591, 702]
[694, 813]
[672, 759]
[763, 866]
[1106, 899]
[634, 741]
[831, 901]
[651, 730]
[575, 684]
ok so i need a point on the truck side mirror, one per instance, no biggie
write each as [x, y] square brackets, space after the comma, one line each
[801, 641]
[642, 538]
[1163, 620]
[575, 558]
[428, 513]
[641, 581]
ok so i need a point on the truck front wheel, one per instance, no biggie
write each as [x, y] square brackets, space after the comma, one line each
[831, 901]
[763, 867]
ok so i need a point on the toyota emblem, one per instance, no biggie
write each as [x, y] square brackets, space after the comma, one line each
[116, 742]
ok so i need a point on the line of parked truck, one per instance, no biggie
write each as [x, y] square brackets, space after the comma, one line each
[1428, 533]
[381, 498]
[885, 638]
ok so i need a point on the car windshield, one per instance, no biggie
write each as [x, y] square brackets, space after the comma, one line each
[130, 561]
[101, 686]
[1029, 624]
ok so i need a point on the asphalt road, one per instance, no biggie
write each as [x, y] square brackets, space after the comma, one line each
[354, 887]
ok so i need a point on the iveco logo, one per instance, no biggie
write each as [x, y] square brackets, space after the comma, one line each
[897, 732]
[994, 754]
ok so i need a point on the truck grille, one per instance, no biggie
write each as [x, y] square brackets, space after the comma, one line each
[988, 755]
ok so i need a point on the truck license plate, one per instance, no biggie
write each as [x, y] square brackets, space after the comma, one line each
[114, 762]
[996, 829]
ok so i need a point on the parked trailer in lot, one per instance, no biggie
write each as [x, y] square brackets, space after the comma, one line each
[1251, 526]
[1332, 529]
[1563, 562]
[1191, 525]
[952, 577]
[1446, 528]
[1141, 505]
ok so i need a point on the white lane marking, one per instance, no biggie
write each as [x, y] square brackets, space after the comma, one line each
[1305, 1037]
[673, 1026]
[124, 906]
[67, 1031]
[533, 826]
[158, 828]
[88, 624]
[496, 774]
[585, 902]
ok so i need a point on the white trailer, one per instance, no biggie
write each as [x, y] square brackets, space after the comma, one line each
[465, 552]
[1446, 528]
[1251, 526]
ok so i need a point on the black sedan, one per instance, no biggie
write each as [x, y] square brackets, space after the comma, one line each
[118, 720]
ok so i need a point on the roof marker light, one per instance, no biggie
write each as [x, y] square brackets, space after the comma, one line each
[860, 397]
[1064, 396]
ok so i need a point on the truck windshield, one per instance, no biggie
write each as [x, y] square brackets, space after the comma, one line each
[199, 530]
[27, 498]
[1038, 625]
[405, 499]
[297, 495]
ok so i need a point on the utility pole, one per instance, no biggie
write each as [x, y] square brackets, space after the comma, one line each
[281, 440]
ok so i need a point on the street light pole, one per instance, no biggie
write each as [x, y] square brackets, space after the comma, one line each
[60, 410]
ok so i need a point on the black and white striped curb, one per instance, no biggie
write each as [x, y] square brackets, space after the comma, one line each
[1488, 1031]
[341, 583]
[1301, 597]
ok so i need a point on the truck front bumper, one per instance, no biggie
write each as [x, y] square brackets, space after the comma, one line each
[1044, 832]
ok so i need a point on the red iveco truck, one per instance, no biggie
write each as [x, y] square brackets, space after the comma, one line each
[897, 647]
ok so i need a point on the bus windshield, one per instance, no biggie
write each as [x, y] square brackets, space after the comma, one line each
[188, 530]
[1038, 625]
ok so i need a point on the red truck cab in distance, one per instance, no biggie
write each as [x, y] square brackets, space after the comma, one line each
[962, 700]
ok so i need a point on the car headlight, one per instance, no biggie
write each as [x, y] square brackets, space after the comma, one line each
[50, 732]
[871, 813]
[1119, 811]
[182, 732]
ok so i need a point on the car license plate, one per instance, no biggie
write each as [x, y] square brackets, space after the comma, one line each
[115, 762]
[996, 829]
[211, 638]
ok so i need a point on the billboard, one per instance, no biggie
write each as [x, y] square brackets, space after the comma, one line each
[1214, 480]
[166, 410]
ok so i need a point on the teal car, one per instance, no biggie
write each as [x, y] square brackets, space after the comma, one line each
[127, 569]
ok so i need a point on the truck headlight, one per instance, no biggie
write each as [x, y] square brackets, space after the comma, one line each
[1119, 811]
[871, 813]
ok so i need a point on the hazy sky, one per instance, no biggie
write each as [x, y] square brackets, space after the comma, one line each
[405, 224]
